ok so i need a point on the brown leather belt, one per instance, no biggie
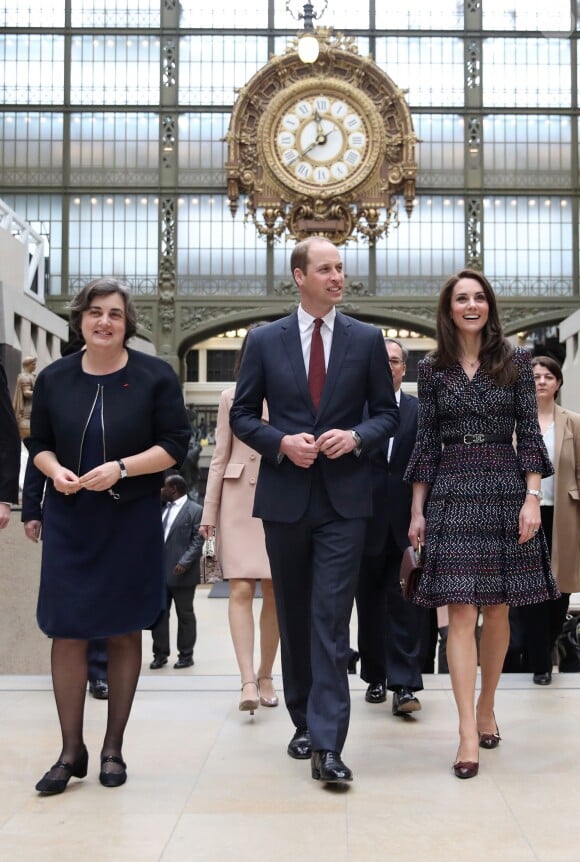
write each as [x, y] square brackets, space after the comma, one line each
[469, 439]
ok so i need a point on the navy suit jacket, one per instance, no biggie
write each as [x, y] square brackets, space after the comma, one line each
[391, 495]
[273, 370]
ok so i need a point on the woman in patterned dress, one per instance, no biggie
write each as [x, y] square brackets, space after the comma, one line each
[476, 498]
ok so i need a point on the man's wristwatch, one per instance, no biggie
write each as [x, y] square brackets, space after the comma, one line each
[533, 493]
[357, 439]
[122, 467]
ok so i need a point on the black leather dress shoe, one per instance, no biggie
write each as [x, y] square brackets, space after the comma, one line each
[376, 693]
[404, 702]
[543, 678]
[183, 661]
[353, 657]
[327, 766]
[99, 689]
[158, 661]
[300, 746]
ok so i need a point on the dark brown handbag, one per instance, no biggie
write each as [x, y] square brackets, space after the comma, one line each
[411, 570]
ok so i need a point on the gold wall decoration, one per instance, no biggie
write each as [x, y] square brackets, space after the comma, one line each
[326, 148]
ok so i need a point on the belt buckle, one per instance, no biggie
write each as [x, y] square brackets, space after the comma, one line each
[473, 438]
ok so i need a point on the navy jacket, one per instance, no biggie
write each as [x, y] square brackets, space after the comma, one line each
[144, 409]
[273, 370]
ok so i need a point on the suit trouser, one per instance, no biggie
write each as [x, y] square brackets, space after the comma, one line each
[314, 565]
[389, 627]
[186, 623]
[97, 659]
[542, 623]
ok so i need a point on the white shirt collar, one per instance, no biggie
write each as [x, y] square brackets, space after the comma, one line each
[306, 320]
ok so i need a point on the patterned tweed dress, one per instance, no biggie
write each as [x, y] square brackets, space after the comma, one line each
[472, 555]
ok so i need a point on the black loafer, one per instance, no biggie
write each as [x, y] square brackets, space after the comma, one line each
[99, 689]
[300, 747]
[376, 693]
[404, 702]
[327, 766]
[116, 778]
[543, 678]
[183, 661]
[158, 661]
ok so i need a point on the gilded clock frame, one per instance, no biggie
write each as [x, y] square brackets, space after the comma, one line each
[279, 205]
[284, 102]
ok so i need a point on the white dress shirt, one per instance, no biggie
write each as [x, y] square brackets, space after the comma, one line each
[306, 327]
[174, 511]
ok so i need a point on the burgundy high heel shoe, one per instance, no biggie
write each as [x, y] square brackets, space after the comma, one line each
[465, 768]
[489, 740]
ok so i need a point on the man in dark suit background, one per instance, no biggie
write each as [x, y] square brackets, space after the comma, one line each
[316, 369]
[181, 554]
[9, 452]
[389, 627]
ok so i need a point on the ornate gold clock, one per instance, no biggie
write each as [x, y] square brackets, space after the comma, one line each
[320, 140]
[321, 149]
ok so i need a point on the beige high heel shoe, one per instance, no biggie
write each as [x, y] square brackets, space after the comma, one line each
[249, 704]
[267, 701]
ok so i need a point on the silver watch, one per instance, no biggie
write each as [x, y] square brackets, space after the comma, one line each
[533, 493]
[357, 439]
[122, 467]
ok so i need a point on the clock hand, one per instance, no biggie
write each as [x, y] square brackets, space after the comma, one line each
[318, 141]
[319, 129]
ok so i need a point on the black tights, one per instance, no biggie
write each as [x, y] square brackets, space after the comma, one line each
[69, 679]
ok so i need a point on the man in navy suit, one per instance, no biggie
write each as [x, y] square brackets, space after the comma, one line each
[314, 490]
[389, 627]
[181, 554]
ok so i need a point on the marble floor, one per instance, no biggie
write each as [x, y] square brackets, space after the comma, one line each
[208, 783]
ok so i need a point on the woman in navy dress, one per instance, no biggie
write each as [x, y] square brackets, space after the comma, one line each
[476, 498]
[106, 422]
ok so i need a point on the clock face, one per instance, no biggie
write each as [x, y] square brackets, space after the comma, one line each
[323, 141]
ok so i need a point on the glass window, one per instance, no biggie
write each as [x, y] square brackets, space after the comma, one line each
[529, 237]
[114, 148]
[417, 15]
[224, 14]
[528, 15]
[32, 69]
[441, 146]
[527, 72]
[220, 365]
[523, 150]
[41, 13]
[31, 148]
[115, 13]
[114, 235]
[202, 149]
[430, 67]
[211, 67]
[44, 214]
[216, 252]
[115, 70]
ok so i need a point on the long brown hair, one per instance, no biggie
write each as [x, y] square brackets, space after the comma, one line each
[496, 353]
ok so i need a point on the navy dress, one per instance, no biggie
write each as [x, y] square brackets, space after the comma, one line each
[472, 555]
[102, 570]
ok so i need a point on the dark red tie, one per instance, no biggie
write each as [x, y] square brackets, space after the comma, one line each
[317, 368]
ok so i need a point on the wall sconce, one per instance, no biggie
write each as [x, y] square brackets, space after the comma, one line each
[308, 47]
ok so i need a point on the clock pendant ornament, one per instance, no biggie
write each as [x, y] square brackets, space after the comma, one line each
[321, 149]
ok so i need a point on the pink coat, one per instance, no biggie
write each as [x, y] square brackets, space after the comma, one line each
[229, 499]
